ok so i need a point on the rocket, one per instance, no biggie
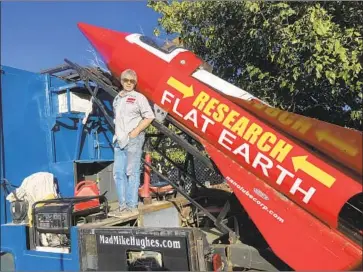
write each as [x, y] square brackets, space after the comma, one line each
[298, 178]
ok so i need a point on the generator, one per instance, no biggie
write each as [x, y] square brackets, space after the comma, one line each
[52, 219]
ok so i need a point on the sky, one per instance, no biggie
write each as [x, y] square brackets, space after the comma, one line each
[40, 35]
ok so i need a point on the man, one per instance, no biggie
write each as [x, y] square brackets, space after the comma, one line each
[132, 115]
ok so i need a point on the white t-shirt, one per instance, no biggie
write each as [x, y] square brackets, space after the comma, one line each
[129, 109]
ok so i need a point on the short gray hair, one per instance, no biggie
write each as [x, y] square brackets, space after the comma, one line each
[129, 72]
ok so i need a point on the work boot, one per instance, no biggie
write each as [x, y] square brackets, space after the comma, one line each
[118, 211]
[133, 211]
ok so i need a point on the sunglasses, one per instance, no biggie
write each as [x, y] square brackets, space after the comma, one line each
[127, 80]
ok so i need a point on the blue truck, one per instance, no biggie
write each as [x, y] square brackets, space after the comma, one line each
[56, 130]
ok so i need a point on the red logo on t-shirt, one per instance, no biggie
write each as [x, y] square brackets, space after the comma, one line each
[130, 100]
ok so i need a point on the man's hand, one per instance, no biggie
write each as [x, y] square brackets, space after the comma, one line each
[134, 133]
[143, 124]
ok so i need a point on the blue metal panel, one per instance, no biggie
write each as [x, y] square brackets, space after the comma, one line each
[14, 240]
[36, 137]
[64, 174]
[39, 138]
[24, 125]
[2, 163]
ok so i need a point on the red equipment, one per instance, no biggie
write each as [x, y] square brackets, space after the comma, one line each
[87, 188]
[293, 175]
[144, 190]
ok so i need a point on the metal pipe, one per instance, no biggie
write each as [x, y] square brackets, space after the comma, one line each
[145, 191]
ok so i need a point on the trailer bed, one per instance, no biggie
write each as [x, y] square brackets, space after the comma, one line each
[143, 209]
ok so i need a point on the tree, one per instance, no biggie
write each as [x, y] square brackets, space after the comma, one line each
[304, 57]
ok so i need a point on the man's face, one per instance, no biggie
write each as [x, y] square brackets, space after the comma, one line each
[128, 83]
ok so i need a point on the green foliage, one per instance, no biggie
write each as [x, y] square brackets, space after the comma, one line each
[177, 155]
[305, 57]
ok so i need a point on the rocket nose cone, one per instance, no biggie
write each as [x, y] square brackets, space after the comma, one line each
[102, 39]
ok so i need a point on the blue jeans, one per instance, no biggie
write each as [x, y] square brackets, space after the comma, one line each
[126, 171]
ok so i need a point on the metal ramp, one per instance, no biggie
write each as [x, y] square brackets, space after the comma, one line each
[188, 172]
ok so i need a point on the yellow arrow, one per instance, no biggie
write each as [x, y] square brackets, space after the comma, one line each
[300, 163]
[324, 135]
[187, 91]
